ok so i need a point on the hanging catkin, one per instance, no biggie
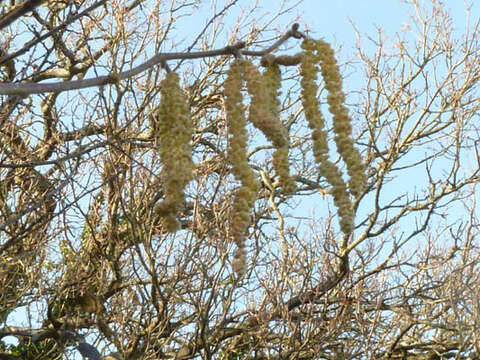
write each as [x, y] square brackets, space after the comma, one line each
[237, 155]
[172, 129]
[316, 122]
[341, 120]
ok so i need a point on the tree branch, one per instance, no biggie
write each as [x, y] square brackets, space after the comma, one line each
[27, 88]
[18, 11]
[56, 29]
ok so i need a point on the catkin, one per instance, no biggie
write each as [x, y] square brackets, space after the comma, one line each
[341, 120]
[316, 122]
[264, 115]
[237, 155]
[173, 129]
[260, 111]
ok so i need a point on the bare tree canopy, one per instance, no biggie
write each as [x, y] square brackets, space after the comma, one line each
[223, 194]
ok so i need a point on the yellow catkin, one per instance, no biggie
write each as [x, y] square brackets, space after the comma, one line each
[264, 115]
[272, 78]
[173, 131]
[260, 111]
[316, 122]
[341, 120]
[237, 155]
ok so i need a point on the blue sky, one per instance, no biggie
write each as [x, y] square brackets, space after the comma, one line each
[332, 18]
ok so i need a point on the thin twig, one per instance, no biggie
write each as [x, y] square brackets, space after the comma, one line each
[56, 29]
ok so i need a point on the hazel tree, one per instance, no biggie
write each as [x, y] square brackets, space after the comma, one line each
[153, 190]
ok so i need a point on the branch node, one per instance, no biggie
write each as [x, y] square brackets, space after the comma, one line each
[294, 32]
[240, 45]
[164, 65]
[112, 78]
[267, 60]
[235, 49]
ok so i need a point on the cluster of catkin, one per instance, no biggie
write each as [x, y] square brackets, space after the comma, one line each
[172, 129]
[264, 115]
[318, 52]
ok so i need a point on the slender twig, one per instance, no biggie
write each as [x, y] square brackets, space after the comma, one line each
[56, 29]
